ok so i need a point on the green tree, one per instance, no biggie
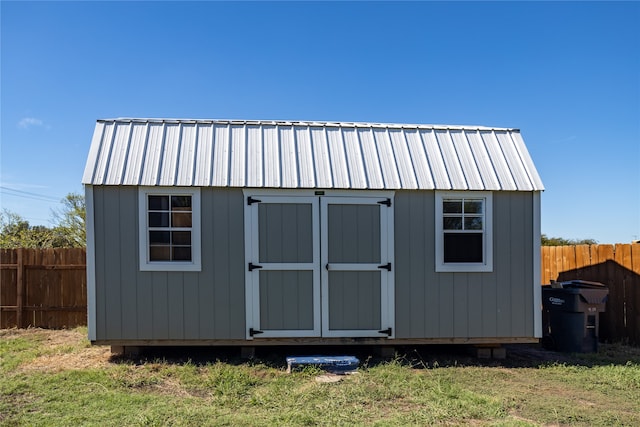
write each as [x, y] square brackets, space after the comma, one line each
[15, 232]
[559, 241]
[70, 220]
[68, 231]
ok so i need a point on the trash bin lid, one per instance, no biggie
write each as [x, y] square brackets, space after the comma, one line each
[580, 284]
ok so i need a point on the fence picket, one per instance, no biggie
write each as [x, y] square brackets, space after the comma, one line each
[43, 288]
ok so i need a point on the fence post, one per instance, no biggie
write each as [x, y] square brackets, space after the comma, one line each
[20, 287]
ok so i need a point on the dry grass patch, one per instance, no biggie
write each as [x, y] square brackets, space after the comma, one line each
[60, 350]
[61, 360]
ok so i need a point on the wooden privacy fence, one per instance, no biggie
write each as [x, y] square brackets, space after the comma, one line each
[618, 267]
[44, 288]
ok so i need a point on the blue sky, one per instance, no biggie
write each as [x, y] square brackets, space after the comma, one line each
[566, 73]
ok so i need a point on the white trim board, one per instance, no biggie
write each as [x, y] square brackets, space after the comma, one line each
[91, 263]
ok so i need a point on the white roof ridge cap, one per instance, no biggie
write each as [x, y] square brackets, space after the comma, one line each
[310, 123]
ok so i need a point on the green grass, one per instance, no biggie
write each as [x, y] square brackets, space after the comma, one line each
[602, 389]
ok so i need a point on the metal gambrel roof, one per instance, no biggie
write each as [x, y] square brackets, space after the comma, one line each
[280, 154]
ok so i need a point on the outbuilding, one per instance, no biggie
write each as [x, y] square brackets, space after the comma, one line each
[233, 232]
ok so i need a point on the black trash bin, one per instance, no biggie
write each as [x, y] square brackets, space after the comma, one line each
[570, 312]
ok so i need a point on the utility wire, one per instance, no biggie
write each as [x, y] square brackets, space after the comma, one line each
[28, 195]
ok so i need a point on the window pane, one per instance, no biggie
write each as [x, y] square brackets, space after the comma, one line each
[181, 203]
[182, 253]
[158, 219]
[160, 253]
[158, 203]
[181, 219]
[181, 238]
[452, 206]
[473, 206]
[463, 247]
[473, 223]
[159, 237]
[452, 223]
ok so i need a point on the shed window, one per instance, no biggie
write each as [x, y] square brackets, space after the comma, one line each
[169, 229]
[463, 231]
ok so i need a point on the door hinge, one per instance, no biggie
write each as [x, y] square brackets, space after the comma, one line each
[387, 203]
[386, 331]
[386, 266]
[253, 332]
[251, 200]
[253, 266]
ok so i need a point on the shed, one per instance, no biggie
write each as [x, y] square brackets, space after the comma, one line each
[233, 232]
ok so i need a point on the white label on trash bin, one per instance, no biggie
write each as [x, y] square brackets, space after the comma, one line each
[556, 301]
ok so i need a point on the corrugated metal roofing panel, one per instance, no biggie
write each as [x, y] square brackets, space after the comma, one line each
[278, 154]
[357, 175]
[404, 165]
[370, 156]
[531, 170]
[117, 158]
[220, 175]
[498, 160]
[483, 161]
[339, 165]
[436, 162]
[238, 159]
[288, 157]
[104, 155]
[203, 156]
[255, 159]
[305, 157]
[451, 160]
[419, 160]
[136, 154]
[152, 158]
[388, 164]
[271, 156]
[169, 155]
[186, 155]
[94, 153]
[467, 160]
[321, 163]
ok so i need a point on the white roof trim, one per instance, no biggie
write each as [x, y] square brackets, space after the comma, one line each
[307, 154]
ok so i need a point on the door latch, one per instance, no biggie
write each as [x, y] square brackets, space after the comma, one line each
[386, 266]
[253, 266]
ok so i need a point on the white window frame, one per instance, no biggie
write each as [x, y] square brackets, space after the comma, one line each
[143, 222]
[487, 238]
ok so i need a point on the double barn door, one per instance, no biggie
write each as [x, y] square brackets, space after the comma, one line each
[319, 266]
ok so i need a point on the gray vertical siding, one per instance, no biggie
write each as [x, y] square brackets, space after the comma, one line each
[354, 233]
[210, 304]
[147, 305]
[460, 305]
[286, 232]
[286, 300]
[354, 300]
